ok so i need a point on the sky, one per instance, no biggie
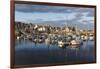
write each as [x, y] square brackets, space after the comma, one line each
[55, 14]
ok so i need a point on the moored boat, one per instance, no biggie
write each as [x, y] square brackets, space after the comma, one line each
[47, 41]
[84, 38]
[63, 44]
[91, 38]
[76, 43]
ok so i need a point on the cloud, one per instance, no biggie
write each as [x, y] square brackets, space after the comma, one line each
[46, 8]
[39, 8]
[53, 14]
[90, 14]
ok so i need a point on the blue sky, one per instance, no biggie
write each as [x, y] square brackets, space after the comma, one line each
[42, 13]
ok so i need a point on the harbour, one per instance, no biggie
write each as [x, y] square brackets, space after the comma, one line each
[45, 44]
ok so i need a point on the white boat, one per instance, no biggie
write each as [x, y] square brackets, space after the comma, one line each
[91, 38]
[38, 40]
[60, 44]
[35, 40]
[76, 43]
[84, 38]
[18, 37]
[63, 44]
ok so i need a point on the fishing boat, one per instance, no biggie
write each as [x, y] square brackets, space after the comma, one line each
[69, 38]
[84, 38]
[76, 43]
[64, 42]
[61, 44]
[38, 40]
[91, 37]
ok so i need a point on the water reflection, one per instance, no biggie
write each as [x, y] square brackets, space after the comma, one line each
[28, 52]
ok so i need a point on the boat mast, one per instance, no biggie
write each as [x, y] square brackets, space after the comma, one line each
[66, 25]
[76, 30]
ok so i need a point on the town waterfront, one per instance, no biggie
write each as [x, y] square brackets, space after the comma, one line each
[28, 52]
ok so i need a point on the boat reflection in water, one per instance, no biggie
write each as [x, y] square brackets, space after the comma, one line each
[29, 52]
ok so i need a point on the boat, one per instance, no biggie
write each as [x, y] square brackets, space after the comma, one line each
[76, 43]
[74, 36]
[38, 40]
[91, 38]
[60, 44]
[18, 37]
[63, 43]
[69, 38]
[84, 38]
[48, 41]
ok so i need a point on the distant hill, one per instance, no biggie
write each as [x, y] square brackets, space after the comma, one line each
[60, 23]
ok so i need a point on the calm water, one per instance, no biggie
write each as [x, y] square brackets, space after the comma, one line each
[29, 53]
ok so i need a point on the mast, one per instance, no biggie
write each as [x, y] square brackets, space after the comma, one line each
[76, 30]
[66, 25]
